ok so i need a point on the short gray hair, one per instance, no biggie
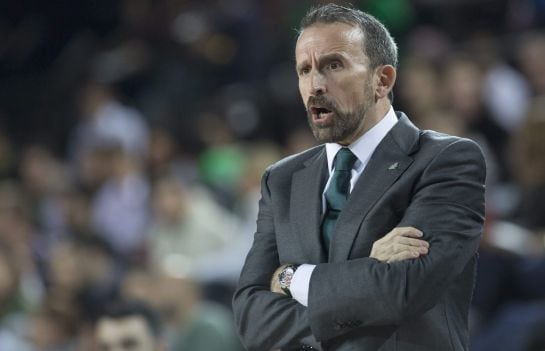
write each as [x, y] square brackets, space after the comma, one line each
[378, 44]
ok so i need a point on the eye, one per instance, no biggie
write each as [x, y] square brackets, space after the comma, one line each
[335, 65]
[304, 70]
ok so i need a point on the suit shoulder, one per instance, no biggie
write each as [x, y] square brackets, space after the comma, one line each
[440, 142]
[443, 150]
[295, 161]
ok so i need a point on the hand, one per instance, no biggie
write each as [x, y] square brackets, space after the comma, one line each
[275, 284]
[400, 244]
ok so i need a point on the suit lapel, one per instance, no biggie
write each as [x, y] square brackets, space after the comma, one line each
[306, 206]
[387, 164]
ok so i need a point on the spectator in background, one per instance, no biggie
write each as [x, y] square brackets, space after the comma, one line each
[120, 208]
[529, 167]
[223, 265]
[510, 291]
[188, 225]
[51, 328]
[75, 206]
[418, 80]
[102, 271]
[64, 274]
[104, 119]
[44, 178]
[531, 58]
[196, 324]
[84, 275]
[166, 158]
[505, 92]
[190, 322]
[12, 306]
[106, 130]
[222, 161]
[129, 326]
[462, 94]
[17, 235]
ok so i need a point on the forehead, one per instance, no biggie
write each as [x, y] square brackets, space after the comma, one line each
[324, 38]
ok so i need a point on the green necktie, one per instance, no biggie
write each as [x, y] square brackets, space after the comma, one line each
[337, 192]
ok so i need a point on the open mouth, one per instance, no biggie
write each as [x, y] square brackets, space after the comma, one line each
[320, 114]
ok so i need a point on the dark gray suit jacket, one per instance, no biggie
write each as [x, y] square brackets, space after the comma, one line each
[424, 179]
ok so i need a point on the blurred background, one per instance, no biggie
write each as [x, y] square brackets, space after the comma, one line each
[133, 135]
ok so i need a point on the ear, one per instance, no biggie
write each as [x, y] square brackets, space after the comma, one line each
[386, 77]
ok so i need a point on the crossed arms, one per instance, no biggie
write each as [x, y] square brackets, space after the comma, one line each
[386, 288]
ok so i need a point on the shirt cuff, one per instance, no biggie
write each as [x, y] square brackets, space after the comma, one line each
[300, 283]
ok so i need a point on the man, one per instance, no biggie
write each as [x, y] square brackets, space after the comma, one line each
[389, 266]
[129, 326]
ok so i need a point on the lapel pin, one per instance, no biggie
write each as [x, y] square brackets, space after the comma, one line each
[393, 166]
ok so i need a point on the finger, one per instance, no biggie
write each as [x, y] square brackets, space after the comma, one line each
[398, 231]
[405, 255]
[412, 242]
[398, 248]
[409, 232]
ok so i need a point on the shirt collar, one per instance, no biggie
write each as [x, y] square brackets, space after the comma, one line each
[365, 145]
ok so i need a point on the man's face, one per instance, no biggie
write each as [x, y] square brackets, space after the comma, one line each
[335, 81]
[125, 334]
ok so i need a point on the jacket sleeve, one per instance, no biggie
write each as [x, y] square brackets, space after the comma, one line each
[448, 207]
[266, 320]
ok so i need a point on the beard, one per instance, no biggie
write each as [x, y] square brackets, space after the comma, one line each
[343, 124]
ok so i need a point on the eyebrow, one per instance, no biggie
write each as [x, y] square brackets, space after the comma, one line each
[323, 58]
[332, 56]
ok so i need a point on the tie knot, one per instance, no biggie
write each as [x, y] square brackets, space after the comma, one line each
[345, 159]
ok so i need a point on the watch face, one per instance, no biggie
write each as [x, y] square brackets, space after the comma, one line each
[285, 277]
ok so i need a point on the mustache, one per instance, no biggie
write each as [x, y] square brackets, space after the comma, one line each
[321, 101]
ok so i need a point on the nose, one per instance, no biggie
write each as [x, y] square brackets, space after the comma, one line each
[318, 84]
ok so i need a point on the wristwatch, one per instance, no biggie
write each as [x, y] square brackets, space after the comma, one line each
[285, 276]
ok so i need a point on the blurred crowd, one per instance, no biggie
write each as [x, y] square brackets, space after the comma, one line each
[133, 135]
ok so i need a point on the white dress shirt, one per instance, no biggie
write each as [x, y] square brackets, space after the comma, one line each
[363, 148]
